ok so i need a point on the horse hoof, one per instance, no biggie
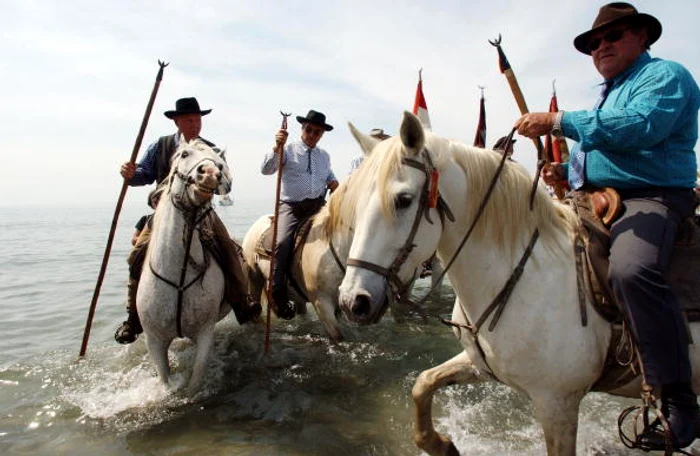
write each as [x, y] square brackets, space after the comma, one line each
[285, 311]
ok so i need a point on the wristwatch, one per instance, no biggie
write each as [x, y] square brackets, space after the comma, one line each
[556, 128]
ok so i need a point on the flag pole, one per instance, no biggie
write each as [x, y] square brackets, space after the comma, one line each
[117, 210]
[280, 164]
[506, 69]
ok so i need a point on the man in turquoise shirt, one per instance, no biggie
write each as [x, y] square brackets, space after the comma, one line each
[639, 139]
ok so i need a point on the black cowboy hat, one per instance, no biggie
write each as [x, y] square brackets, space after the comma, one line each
[379, 134]
[316, 118]
[501, 143]
[619, 13]
[186, 106]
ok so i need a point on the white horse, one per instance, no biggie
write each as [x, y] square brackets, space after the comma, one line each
[320, 268]
[181, 289]
[539, 345]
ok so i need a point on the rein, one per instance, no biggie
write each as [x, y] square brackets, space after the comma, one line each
[499, 302]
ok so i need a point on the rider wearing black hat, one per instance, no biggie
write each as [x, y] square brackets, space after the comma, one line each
[155, 166]
[306, 175]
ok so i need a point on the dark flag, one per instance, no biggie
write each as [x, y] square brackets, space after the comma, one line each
[480, 137]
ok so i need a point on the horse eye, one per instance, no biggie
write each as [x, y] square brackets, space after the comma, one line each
[403, 200]
[184, 154]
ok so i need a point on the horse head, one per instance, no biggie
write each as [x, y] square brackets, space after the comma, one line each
[398, 181]
[198, 172]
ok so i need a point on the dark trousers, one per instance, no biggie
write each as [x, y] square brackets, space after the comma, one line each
[291, 214]
[641, 244]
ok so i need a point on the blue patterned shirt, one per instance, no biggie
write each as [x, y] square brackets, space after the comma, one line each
[305, 175]
[645, 133]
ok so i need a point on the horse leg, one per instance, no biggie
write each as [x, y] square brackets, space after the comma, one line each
[158, 350]
[204, 341]
[456, 370]
[558, 416]
[326, 313]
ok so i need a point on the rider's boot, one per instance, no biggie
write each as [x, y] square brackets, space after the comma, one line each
[246, 309]
[129, 331]
[680, 407]
[280, 304]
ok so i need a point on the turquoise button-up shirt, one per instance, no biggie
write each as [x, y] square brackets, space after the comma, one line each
[645, 133]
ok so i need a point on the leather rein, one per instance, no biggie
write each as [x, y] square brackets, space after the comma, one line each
[391, 274]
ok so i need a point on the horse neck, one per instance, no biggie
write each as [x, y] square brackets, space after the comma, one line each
[169, 236]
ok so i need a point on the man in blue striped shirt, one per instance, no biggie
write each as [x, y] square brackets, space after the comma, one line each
[306, 175]
[639, 140]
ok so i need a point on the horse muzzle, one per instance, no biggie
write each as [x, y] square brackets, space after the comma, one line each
[364, 303]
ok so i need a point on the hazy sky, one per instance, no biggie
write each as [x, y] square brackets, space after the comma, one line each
[76, 77]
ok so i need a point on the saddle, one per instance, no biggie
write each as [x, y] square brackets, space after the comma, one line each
[597, 210]
[264, 248]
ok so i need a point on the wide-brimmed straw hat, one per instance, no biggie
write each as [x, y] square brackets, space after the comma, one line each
[619, 13]
[316, 118]
[186, 106]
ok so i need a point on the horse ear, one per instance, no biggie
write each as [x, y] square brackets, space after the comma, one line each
[220, 152]
[412, 134]
[182, 139]
[366, 142]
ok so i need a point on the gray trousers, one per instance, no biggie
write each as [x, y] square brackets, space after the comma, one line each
[641, 244]
[291, 214]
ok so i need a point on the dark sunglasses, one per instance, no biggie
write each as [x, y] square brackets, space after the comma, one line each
[611, 37]
[313, 131]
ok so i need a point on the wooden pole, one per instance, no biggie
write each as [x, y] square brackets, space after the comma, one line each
[268, 289]
[117, 210]
[506, 69]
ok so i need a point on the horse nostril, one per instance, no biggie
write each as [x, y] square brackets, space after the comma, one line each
[361, 307]
[200, 169]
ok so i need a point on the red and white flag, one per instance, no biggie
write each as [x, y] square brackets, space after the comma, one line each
[480, 136]
[420, 107]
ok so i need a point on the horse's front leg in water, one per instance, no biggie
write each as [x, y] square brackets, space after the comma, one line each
[456, 370]
[158, 349]
[205, 341]
[558, 414]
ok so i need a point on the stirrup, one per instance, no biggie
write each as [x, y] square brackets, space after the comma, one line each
[644, 426]
[125, 334]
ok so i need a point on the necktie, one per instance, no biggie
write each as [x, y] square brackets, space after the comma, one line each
[308, 166]
[577, 162]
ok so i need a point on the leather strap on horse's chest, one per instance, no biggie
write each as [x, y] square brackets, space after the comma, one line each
[190, 228]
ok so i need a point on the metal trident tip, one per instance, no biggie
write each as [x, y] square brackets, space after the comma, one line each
[496, 42]
[285, 115]
[163, 64]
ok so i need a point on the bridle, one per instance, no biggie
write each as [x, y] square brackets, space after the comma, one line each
[429, 199]
[194, 216]
[400, 290]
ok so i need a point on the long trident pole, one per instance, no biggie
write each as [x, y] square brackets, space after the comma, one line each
[505, 68]
[268, 289]
[117, 210]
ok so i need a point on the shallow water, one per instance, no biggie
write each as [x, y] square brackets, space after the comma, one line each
[306, 397]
